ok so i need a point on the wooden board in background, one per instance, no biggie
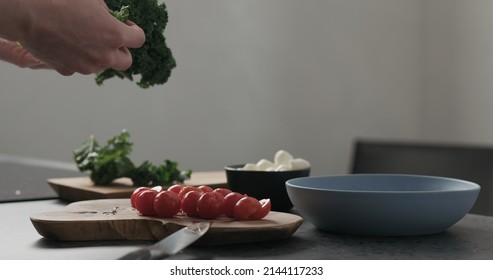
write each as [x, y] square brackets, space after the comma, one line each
[82, 188]
[115, 219]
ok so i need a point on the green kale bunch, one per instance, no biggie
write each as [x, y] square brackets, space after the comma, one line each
[154, 60]
[109, 162]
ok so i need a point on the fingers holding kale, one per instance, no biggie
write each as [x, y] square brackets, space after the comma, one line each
[153, 61]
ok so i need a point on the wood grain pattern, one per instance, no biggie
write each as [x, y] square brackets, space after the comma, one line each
[115, 219]
[82, 188]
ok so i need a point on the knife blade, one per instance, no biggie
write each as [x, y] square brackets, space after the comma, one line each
[171, 244]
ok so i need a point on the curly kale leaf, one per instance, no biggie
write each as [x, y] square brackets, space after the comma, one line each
[154, 61]
[122, 14]
[86, 155]
[152, 175]
[105, 163]
[110, 162]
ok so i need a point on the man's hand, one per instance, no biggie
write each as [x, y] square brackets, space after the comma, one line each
[71, 36]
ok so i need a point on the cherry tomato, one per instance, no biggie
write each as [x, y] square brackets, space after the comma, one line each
[205, 188]
[210, 205]
[230, 201]
[176, 188]
[263, 211]
[246, 207]
[189, 203]
[222, 191]
[186, 189]
[133, 197]
[144, 202]
[166, 204]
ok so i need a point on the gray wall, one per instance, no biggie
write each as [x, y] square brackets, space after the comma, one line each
[257, 76]
[458, 104]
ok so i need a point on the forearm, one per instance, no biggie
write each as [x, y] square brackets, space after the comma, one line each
[13, 20]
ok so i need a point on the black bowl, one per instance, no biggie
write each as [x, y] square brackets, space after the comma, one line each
[264, 184]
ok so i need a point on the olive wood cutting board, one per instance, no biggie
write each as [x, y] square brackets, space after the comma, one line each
[115, 219]
[82, 188]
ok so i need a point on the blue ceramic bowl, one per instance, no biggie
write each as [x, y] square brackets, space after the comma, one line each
[382, 204]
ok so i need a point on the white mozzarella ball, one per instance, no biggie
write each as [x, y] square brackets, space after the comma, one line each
[264, 164]
[299, 163]
[282, 167]
[282, 157]
[249, 167]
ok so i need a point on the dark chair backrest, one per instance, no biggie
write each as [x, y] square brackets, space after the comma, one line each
[467, 162]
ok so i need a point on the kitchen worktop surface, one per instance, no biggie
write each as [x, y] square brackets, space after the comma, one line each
[469, 239]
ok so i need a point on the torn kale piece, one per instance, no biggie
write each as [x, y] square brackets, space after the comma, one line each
[111, 161]
[154, 61]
